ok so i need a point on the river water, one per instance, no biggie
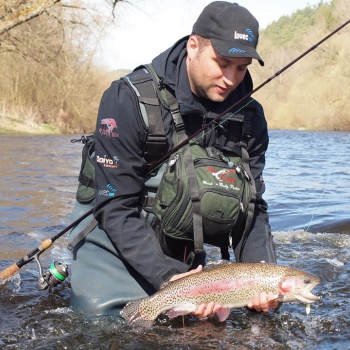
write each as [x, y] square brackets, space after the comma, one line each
[307, 177]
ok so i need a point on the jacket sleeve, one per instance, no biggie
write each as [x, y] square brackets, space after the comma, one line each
[258, 244]
[120, 170]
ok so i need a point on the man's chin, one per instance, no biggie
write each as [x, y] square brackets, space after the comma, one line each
[217, 97]
[214, 96]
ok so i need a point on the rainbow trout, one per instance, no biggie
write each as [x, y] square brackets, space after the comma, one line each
[232, 285]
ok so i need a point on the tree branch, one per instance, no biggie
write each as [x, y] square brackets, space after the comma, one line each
[25, 14]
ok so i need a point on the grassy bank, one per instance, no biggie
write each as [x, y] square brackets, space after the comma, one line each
[18, 125]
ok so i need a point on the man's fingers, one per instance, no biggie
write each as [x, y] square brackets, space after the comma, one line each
[273, 302]
[200, 310]
[263, 302]
[255, 303]
[209, 309]
[204, 310]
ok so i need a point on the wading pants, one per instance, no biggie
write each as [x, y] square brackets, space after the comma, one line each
[101, 282]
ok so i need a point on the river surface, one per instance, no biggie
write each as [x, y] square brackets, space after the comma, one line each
[307, 178]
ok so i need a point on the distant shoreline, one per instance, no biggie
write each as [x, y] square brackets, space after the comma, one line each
[17, 125]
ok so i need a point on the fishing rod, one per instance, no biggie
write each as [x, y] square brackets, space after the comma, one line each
[59, 271]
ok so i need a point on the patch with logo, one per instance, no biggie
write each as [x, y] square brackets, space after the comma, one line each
[108, 128]
[236, 50]
[109, 192]
[247, 36]
[108, 162]
[222, 178]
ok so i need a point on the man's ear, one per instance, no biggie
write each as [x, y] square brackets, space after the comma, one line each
[192, 46]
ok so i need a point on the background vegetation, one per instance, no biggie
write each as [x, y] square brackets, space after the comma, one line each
[50, 83]
[315, 92]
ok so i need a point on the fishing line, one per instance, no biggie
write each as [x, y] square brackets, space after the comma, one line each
[325, 187]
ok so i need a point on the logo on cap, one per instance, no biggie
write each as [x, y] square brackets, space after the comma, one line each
[248, 37]
[250, 34]
[236, 50]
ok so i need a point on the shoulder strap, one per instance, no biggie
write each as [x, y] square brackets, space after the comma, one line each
[167, 98]
[144, 85]
[90, 225]
[246, 135]
[151, 92]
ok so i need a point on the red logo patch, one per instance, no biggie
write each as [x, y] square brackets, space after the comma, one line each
[108, 128]
[223, 174]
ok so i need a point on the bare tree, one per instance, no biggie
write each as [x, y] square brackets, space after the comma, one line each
[46, 56]
[23, 11]
[16, 12]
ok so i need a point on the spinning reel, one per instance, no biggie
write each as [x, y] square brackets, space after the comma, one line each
[55, 274]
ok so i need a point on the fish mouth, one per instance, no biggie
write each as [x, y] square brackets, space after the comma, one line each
[306, 296]
[303, 294]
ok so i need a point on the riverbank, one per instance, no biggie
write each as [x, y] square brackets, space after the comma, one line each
[19, 125]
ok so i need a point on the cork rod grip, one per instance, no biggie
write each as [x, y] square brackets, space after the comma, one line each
[46, 244]
[11, 270]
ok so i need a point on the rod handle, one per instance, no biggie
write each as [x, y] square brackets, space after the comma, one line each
[46, 244]
[11, 270]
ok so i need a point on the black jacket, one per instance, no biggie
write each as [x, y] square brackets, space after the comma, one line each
[121, 168]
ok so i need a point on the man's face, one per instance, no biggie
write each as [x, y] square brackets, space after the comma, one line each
[211, 75]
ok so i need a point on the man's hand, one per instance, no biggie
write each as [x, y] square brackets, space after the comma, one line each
[204, 310]
[264, 302]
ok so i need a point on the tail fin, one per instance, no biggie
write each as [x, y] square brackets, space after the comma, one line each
[132, 315]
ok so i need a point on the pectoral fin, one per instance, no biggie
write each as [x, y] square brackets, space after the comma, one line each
[183, 309]
[223, 313]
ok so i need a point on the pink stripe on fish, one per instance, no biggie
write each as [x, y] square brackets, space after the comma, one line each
[218, 287]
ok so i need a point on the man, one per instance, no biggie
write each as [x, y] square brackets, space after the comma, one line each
[121, 259]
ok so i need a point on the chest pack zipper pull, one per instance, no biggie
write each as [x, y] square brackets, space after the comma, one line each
[246, 175]
[173, 160]
[241, 206]
[226, 160]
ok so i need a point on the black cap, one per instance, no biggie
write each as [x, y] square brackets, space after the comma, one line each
[232, 29]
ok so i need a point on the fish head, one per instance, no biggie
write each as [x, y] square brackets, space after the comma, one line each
[297, 286]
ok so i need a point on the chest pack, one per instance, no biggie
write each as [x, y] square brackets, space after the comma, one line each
[203, 196]
[204, 193]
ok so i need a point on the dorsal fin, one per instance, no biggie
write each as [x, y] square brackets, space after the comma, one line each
[213, 264]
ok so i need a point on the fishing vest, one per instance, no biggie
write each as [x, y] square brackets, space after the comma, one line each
[202, 194]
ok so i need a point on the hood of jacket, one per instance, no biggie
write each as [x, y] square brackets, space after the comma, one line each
[171, 68]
